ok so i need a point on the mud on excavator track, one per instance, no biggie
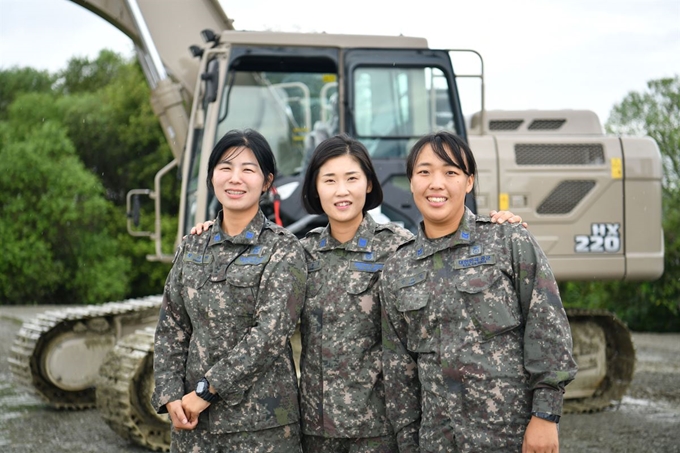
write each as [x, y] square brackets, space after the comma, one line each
[57, 355]
[124, 390]
[604, 352]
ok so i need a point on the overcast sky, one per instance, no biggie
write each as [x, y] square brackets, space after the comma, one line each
[546, 54]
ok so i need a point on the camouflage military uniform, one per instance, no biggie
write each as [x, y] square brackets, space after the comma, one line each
[229, 308]
[342, 393]
[480, 313]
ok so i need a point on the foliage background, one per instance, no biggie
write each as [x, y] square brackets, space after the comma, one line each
[73, 143]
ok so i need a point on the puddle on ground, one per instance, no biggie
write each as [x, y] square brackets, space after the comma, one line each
[655, 410]
[14, 403]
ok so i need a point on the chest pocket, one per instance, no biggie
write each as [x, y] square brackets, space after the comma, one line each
[244, 277]
[413, 303]
[363, 276]
[196, 269]
[491, 299]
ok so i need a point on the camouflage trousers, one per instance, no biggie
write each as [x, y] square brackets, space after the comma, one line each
[282, 439]
[317, 444]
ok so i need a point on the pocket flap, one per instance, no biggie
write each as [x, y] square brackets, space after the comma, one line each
[411, 301]
[476, 282]
[360, 282]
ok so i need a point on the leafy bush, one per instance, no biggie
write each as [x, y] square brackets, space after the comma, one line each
[55, 224]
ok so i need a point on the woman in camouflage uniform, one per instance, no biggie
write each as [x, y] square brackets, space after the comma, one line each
[477, 346]
[222, 358]
[341, 386]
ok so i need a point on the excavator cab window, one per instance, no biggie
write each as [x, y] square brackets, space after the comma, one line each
[395, 105]
[397, 95]
[287, 95]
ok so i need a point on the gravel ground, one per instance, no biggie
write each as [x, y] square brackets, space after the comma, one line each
[647, 420]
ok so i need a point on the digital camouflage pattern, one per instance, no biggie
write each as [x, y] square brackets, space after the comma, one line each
[475, 332]
[229, 308]
[316, 444]
[282, 439]
[341, 388]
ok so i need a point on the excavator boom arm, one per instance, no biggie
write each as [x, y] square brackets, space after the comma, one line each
[173, 25]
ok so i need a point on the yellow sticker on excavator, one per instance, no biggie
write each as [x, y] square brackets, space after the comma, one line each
[503, 201]
[617, 168]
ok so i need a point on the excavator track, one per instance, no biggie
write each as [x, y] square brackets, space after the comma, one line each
[618, 359]
[44, 344]
[124, 392]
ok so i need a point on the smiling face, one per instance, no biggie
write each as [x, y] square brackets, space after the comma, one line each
[439, 190]
[342, 187]
[238, 182]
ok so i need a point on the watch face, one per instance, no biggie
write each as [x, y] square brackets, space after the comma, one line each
[200, 388]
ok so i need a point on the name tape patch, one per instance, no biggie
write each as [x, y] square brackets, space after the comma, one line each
[474, 261]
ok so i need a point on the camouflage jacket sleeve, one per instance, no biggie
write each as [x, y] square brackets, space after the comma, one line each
[171, 345]
[402, 387]
[547, 335]
[277, 310]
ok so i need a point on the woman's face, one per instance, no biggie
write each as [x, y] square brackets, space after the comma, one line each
[439, 191]
[238, 181]
[342, 187]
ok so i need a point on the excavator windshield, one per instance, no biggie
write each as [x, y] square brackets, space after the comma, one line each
[393, 106]
[294, 110]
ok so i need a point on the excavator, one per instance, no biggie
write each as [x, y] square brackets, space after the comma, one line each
[582, 192]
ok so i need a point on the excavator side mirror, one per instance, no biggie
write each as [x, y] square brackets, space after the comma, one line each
[196, 51]
[209, 36]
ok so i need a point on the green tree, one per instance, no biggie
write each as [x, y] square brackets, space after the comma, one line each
[103, 108]
[114, 129]
[83, 75]
[17, 81]
[55, 224]
[651, 306]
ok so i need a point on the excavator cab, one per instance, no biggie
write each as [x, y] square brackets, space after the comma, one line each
[302, 91]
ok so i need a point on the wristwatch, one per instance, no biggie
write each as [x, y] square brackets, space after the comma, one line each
[546, 416]
[203, 390]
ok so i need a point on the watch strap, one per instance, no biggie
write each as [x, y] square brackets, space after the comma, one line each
[206, 395]
[546, 416]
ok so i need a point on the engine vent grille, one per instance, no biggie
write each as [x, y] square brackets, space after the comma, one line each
[559, 154]
[565, 197]
[546, 125]
[505, 125]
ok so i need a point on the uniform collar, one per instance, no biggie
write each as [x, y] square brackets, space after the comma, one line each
[464, 235]
[248, 236]
[361, 242]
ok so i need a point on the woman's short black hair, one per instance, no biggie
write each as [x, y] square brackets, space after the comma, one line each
[442, 143]
[339, 145]
[246, 138]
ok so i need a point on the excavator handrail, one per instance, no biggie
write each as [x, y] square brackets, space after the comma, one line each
[479, 76]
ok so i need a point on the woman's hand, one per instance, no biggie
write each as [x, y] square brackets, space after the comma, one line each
[541, 437]
[201, 227]
[501, 217]
[193, 405]
[179, 417]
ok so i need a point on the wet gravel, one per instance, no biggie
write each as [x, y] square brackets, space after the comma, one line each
[647, 420]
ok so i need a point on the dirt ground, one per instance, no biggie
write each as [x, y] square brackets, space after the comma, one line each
[647, 420]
